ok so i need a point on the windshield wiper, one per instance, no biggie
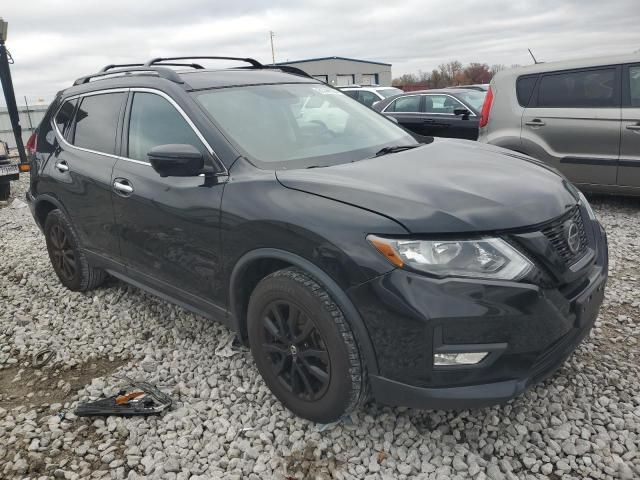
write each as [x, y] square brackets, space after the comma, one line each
[395, 149]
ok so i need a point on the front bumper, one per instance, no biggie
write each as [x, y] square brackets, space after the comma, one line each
[530, 330]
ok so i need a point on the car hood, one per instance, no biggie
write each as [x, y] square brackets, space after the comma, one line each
[446, 186]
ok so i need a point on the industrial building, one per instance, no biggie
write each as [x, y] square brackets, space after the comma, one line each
[342, 71]
[30, 118]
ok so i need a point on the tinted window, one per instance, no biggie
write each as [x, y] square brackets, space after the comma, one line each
[97, 122]
[441, 104]
[405, 104]
[154, 121]
[524, 89]
[64, 115]
[368, 98]
[351, 93]
[634, 86]
[587, 88]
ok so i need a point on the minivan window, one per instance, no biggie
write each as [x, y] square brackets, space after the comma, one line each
[96, 122]
[524, 89]
[154, 121]
[64, 115]
[634, 86]
[409, 104]
[578, 89]
[299, 125]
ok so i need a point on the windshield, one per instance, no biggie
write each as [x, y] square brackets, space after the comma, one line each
[389, 92]
[474, 98]
[299, 125]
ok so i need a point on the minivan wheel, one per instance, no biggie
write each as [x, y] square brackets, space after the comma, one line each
[304, 347]
[5, 191]
[68, 261]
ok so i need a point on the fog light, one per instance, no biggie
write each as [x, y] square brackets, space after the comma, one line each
[444, 359]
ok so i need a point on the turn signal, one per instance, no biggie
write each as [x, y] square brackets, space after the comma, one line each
[386, 249]
[24, 167]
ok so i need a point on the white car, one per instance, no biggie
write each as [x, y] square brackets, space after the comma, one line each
[370, 94]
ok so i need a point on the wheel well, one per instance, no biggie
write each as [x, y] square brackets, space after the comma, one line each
[42, 210]
[246, 283]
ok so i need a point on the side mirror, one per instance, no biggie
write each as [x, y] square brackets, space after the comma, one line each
[461, 111]
[176, 160]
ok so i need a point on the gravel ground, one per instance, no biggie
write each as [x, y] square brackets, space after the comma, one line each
[582, 423]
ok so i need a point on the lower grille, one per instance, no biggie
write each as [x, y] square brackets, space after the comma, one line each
[558, 233]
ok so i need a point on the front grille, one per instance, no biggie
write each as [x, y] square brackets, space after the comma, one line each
[558, 230]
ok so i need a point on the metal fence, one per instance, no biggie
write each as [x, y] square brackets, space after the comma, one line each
[29, 120]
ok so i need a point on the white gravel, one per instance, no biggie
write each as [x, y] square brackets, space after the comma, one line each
[582, 423]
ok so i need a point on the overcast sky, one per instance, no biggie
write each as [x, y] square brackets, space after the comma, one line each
[54, 42]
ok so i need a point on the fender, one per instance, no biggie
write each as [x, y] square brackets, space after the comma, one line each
[45, 197]
[337, 294]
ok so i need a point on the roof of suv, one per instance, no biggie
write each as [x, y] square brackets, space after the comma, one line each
[194, 78]
[571, 64]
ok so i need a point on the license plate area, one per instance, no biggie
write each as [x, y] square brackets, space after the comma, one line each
[8, 170]
[588, 303]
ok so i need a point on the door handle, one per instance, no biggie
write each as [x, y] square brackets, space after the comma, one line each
[62, 166]
[122, 186]
[634, 127]
[535, 123]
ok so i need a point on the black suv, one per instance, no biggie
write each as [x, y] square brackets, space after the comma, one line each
[351, 259]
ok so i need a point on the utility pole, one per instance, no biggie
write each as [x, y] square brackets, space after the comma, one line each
[273, 55]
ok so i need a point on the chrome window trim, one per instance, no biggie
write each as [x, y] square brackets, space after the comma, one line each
[160, 93]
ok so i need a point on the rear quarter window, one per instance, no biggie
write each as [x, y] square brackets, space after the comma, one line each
[524, 89]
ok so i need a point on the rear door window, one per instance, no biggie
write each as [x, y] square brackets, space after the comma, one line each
[96, 122]
[409, 104]
[154, 121]
[579, 89]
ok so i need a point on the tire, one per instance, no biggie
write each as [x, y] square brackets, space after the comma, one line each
[5, 191]
[67, 259]
[304, 347]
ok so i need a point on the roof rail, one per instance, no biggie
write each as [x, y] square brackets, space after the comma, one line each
[159, 60]
[166, 73]
[288, 69]
[122, 65]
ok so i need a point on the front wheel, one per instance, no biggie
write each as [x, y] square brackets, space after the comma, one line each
[304, 347]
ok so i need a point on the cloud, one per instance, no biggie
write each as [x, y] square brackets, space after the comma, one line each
[55, 42]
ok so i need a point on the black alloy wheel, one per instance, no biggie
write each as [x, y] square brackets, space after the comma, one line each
[296, 351]
[304, 347]
[67, 258]
[63, 256]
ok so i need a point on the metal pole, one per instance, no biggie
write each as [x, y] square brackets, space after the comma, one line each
[10, 98]
[273, 55]
[28, 114]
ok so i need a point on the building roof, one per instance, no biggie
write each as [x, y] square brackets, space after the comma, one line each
[332, 58]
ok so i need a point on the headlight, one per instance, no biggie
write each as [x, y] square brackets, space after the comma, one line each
[491, 258]
[585, 202]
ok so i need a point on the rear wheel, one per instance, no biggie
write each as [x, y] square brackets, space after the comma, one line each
[67, 259]
[304, 347]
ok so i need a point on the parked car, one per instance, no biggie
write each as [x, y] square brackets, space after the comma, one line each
[370, 94]
[441, 275]
[8, 171]
[481, 87]
[451, 112]
[580, 116]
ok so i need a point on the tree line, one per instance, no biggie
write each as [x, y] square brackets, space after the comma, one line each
[450, 74]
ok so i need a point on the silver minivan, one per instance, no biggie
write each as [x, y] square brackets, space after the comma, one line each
[581, 116]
